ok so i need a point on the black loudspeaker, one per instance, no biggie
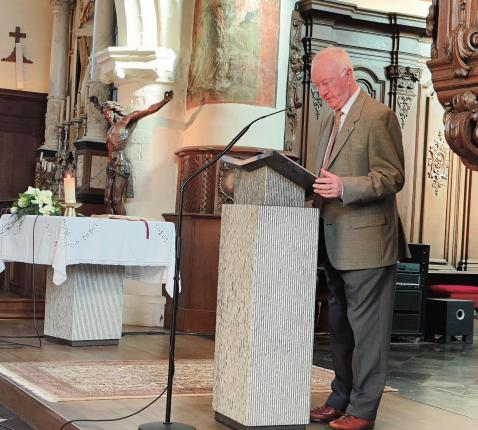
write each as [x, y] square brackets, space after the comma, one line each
[409, 308]
[450, 318]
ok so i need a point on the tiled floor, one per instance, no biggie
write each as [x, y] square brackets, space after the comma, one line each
[444, 376]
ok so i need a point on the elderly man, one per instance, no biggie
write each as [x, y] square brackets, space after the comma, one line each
[359, 161]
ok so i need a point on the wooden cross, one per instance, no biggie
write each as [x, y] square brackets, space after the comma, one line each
[17, 35]
[17, 56]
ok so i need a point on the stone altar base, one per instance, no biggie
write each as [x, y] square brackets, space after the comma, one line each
[87, 308]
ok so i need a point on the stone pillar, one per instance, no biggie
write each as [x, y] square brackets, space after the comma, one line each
[102, 39]
[58, 70]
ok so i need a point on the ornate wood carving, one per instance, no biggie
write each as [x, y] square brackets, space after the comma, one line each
[432, 27]
[403, 88]
[225, 184]
[461, 131]
[461, 44]
[294, 87]
[215, 186]
[454, 27]
[317, 101]
[438, 162]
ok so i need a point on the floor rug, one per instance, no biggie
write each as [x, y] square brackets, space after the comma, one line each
[102, 380]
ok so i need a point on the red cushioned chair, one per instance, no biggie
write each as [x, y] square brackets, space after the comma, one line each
[464, 292]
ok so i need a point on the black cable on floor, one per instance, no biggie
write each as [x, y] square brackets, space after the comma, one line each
[3, 426]
[178, 333]
[126, 416]
[115, 419]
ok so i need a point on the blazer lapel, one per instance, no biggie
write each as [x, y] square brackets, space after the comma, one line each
[324, 140]
[349, 124]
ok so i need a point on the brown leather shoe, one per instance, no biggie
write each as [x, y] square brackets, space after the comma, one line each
[324, 414]
[351, 422]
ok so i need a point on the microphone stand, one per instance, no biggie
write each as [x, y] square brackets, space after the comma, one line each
[167, 424]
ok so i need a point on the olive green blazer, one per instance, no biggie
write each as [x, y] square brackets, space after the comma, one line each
[362, 230]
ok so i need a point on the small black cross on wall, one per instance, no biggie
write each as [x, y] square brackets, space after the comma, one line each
[17, 35]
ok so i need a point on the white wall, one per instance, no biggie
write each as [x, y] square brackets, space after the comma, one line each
[34, 17]
[409, 7]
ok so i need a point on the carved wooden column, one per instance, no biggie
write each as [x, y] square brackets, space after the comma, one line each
[294, 85]
[453, 26]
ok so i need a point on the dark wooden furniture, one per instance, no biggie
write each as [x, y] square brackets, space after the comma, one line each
[453, 25]
[203, 200]
[385, 48]
[215, 186]
[22, 127]
[199, 270]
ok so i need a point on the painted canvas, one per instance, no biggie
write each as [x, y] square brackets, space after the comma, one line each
[234, 52]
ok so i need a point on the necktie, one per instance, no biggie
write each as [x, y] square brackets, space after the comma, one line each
[333, 136]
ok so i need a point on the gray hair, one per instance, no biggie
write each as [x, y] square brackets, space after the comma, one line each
[338, 55]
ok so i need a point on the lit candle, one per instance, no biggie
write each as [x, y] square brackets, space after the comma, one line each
[69, 186]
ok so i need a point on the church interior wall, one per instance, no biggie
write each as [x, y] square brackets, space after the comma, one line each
[411, 7]
[217, 124]
[37, 25]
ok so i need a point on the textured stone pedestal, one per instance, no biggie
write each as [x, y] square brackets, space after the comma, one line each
[265, 312]
[87, 308]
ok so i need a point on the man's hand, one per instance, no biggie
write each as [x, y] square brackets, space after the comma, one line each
[328, 185]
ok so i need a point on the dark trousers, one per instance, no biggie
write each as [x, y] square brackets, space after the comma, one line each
[360, 318]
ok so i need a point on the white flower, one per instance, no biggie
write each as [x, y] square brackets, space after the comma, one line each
[32, 191]
[13, 209]
[46, 210]
[44, 197]
[23, 202]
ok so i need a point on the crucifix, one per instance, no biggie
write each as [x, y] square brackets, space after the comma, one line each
[17, 56]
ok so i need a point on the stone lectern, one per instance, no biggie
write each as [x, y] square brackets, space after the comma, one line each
[266, 295]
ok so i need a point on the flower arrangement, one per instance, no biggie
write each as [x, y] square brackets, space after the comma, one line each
[35, 202]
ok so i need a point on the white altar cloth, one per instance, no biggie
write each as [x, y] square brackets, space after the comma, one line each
[63, 241]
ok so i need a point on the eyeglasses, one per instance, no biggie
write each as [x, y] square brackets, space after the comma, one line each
[325, 84]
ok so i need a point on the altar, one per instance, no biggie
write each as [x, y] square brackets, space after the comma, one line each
[88, 259]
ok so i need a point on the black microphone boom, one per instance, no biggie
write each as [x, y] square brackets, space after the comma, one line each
[167, 424]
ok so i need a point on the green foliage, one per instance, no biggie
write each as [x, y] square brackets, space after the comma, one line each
[35, 202]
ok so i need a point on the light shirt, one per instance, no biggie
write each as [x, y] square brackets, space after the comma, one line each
[347, 106]
[345, 110]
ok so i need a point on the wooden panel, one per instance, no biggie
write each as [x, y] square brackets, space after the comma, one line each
[436, 188]
[469, 257]
[22, 125]
[208, 191]
[199, 270]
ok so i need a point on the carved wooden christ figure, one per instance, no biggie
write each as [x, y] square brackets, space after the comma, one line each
[119, 181]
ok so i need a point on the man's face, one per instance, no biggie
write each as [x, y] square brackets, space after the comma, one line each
[334, 84]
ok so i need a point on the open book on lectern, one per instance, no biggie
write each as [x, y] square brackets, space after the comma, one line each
[279, 163]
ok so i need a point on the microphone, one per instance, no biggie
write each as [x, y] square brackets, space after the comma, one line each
[167, 424]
